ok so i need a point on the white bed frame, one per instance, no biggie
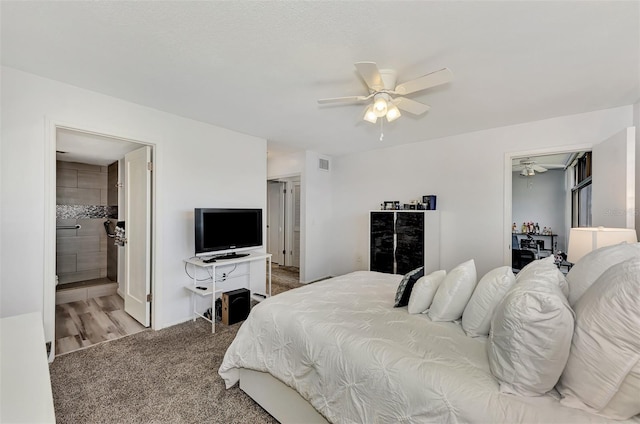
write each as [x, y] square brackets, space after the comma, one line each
[278, 399]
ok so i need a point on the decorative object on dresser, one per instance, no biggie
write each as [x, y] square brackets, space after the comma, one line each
[401, 241]
[390, 205]
[429, 202]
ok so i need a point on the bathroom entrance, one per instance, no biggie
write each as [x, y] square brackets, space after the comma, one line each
[103, 231]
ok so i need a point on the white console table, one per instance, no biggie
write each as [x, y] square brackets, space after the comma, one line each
[25, 388]
[210, 283]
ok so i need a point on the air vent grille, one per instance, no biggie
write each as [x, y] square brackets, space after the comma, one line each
[323, 164]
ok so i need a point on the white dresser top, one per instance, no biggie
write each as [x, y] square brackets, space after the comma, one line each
[25, 386]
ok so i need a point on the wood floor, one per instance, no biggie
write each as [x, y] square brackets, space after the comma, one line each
[85, 323]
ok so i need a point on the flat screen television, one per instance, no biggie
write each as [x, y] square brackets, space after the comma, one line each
[224, 231]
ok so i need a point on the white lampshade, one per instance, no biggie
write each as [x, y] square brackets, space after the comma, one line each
[393, 113]
[370, 115]
[584, 240]
[380, 105]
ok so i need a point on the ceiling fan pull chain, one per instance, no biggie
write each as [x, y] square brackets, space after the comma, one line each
[381, 133]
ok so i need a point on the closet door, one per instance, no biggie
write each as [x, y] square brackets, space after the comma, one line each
[381, 242]
[409, 241]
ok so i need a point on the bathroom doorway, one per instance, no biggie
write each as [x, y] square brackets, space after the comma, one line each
[102, 290]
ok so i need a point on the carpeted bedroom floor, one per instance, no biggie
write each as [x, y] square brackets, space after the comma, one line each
[166, 376]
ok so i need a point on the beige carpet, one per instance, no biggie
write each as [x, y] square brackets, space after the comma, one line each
[166, 376]
[284, 278]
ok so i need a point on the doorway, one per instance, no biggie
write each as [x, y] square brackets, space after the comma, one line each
[525, 181]
[611, 192]
[283, 221]
[541, 191]
[103, 269]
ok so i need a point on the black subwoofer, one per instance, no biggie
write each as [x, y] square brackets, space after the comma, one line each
[236, 305]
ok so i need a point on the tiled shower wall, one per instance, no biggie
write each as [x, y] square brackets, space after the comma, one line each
[81, 254]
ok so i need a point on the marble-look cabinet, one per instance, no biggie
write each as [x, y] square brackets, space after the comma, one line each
[401, 241]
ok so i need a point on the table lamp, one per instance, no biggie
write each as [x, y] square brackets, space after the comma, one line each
[584, 240]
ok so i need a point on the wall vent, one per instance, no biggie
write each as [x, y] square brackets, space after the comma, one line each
[323, 164]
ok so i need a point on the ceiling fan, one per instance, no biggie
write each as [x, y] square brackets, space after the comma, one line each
[386, 97]
[528, 167]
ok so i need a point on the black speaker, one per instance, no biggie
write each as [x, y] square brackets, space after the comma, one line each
[236, 305]
[218, 309]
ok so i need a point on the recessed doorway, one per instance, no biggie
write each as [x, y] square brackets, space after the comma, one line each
[103, 269]
[283, 221]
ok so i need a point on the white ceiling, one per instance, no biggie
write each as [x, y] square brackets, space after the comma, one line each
[258, 67]
[75, 146]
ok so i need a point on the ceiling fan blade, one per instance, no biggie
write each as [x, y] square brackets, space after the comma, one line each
[426, 81]
[552, 166]
[538, 168]
[370, 74]
[411, 106]
[349, 99]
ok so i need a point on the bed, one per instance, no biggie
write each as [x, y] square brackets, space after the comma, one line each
[340, 346]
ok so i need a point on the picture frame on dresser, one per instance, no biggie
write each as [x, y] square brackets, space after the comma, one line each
[429, 202]
[391, 205]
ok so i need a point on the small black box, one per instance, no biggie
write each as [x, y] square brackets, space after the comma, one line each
[236, 305]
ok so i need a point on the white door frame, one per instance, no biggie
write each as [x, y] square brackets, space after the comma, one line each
[508, 186]
[49, 266]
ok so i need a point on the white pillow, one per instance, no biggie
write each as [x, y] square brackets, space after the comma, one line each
[602, 375]
[454, 293]
[591, 266]
[530, 337]
[476, 319]
[424, 290]
[546, 269]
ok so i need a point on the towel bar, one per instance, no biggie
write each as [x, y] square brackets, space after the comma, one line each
[69, 227]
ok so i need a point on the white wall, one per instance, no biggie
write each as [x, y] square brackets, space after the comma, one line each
[541, 199]
[613, 188]
[466, 172]
[285, 165]
[197, 165]
[316, 211]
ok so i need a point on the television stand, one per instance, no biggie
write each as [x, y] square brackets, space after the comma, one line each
[231, 256]
[203, 288]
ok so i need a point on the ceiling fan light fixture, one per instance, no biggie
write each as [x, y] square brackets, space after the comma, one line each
[393, 113]
[380, 105]
[370, 115]
[527, 171]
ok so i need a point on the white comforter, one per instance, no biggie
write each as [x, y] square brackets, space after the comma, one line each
[344, 347]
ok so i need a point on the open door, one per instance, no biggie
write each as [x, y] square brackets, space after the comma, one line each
[137, 249]
[613, 192]
[275, 220]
